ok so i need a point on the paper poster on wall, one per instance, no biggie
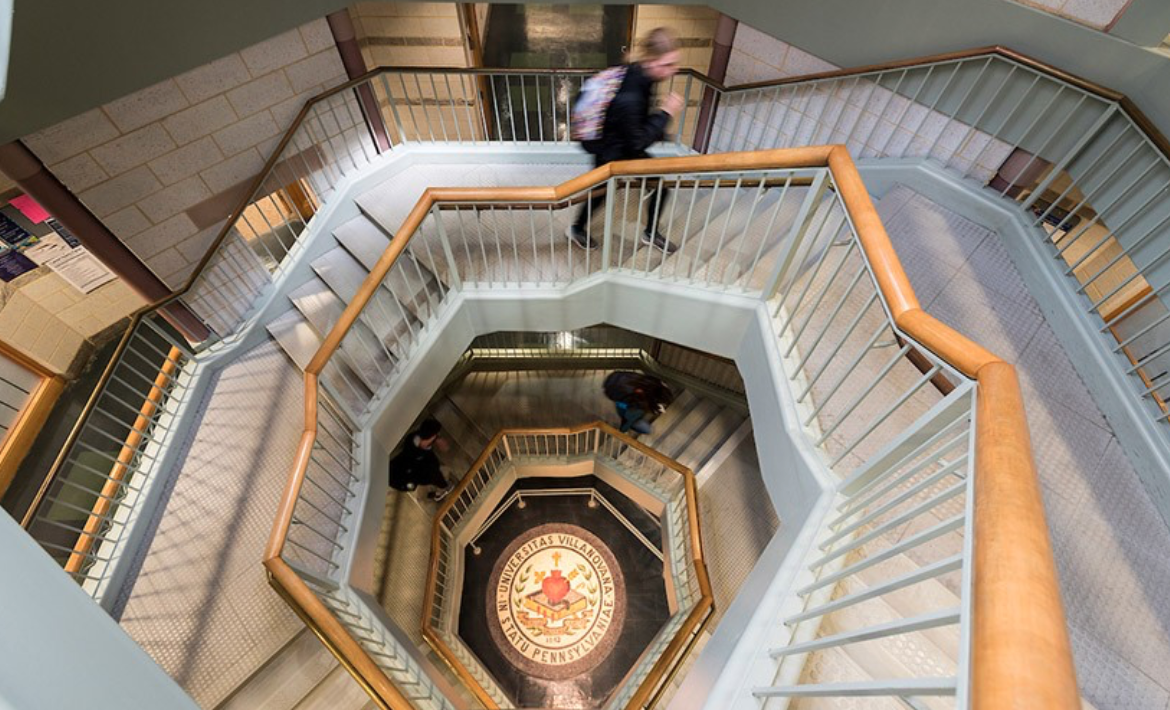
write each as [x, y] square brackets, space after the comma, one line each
[12, 233]
[59, 228]
[30, 208]
[76, 265]
[46, 249]
[13, 264]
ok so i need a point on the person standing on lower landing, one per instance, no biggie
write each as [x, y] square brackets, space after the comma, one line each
[417, 464]
[630, 127]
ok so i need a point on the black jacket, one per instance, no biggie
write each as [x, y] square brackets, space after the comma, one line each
[415, 466]
[630, 126]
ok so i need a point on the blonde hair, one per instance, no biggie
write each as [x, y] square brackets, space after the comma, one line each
[658, 42]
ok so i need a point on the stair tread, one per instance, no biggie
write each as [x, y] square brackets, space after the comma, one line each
[322, 309]
[345, 276]
[695, 420]
[295, 336]
[337, 691]
[286, 678]
[707, 441]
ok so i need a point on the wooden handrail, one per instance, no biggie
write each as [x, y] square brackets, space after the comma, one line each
[337, 639]
[697, 617]
[104, 502]
[1021, 655]
[1021, 652]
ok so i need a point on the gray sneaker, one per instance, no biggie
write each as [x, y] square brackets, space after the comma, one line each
[580, 238]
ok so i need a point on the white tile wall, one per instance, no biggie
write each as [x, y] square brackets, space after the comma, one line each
[142, 161]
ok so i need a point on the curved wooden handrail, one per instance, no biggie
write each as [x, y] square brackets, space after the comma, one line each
[1021, 655]
[696, 618]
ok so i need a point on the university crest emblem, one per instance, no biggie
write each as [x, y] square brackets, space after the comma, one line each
[559, 601]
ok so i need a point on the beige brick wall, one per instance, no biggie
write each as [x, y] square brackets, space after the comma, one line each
[44, 317]
[165, 166]
[417, 34]
[756, 56]
[694, 25]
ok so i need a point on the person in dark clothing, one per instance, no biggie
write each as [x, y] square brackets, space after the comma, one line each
[631, 126]
[417, 464]
[638, 398]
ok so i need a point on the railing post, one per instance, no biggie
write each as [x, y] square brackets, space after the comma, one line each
[796, 235]
[453, 269]
[607, 234]
[507, 446]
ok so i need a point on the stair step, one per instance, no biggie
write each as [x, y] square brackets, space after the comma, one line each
[467, 441]
[708, 441]
[337, 691]
[665, 424]
[360, 349]
[383, 314]
[294, 334]
[697, 419]
[286, 678]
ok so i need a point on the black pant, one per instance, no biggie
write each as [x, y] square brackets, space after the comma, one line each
[657, 198]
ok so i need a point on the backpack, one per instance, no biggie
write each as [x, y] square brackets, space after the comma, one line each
[588, 119]
[619, 385]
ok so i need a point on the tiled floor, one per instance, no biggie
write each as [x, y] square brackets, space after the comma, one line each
[201, 606]
[1112, 548]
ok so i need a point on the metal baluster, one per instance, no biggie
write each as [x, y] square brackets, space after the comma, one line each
[840, 417]
[1115, 235]
[878, 116]
[703, 231]
[1055, 169]
[524, 104]
[812, 309]
[828, 321]
[1107, 151]
[982, 113]
[959, 108]
[751, 273]
[931, 110]
[1007, 119]
[511, 106]
[438, 107]
[913, 102]
[1101, 211]
[722, 234]
[686, 228]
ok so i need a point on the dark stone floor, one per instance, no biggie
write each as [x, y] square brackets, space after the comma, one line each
[645, 593]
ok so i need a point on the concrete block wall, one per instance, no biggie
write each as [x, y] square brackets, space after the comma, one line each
[44, 317]
[868, 118]
[694, 25]
[164, 166]
[417, 34]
